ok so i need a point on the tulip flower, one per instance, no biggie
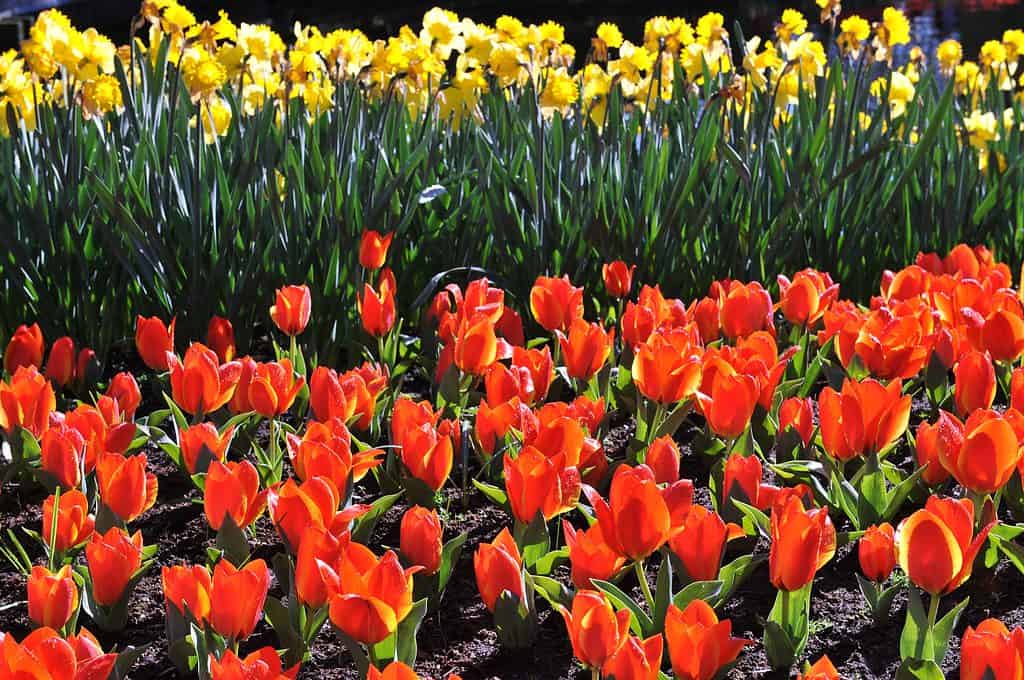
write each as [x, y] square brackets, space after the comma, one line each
[113, 559]
[154, 341]
[125, 486]
[44, 655]
[371, 596]
[373, 249]
[865, 417]
[744, 309]
[499, 568]
[975, 386]
[52, 598]
[75, 525]
[202, 442]
[200, 384]
[60, 365]
[730, 405]
[93, 664]
[61, 453]
[327, 397]
[700, 645]
[618, 278]
[537, 484]
[236, 603]
[274, 387]
[325, 450]
[803, 541]
[636, 659]
[555, 303]
[26, 401]
[927, 453]
[25, 348]
[188, 589]
[319, 546]
[876, 551]
[220, 337]
[667, 367]
[540, 366]
[596, 630]
[796, 414]
[297, 508]
[805, 298]
[590, 556]
[124, 390]
[233, 490]
[396, 670]
[493, 424]
[476, 345]
[240, 402]
[263, 664]
[992, 651]
[1002, 335]
[822, 669]
[700, 544]
[420, 537]
[585, 349]
[377, 308]
[742, 481]
[427, 455]
[663, 458]
[935, 546]
[291, 309]
[982, 453]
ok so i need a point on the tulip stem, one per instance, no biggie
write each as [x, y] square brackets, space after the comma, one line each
[933, 611]
[645, 587]
[595, 674]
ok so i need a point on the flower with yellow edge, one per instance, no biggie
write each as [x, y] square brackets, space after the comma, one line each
[1013, 41]
[853, 31]
[176, 18]
[756, 63]
[202, 72]
[597, 84]
[949, 53]
[892, 30]
[216, 114]
[982, 128]
[442, 30]
[101, 96]
[711, 28]
[560, 91]
[792, 24]
[898, 91]
[610, 34]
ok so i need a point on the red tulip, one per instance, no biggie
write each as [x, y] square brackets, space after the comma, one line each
[420, 537]
[291, 309]
[428, 455]
[75, 525]
[585, 349]
[556, 303]
[744, 309]
[220, 337]
[700, 544]
[377, 307]
[796, 414]
[125, 486]
[731, 402]
[201, 438]
[125, 391]
[60, 365]
[25, 348]
[636, 659]
[596, 630]
[537, 484]
[821, 670]
[663, 458]
[667, 367]
[865, 417]
[62, 450]
[876, 551]
[476, 345]
[263, 664]
[935, 545]
[236, 603]
[233, 490]
[927, 453]
[700, 645]
[975, 386]
[981, 453]
[188, 589]
[370, 596]
[52, 598]
[805, 299]
[26, 401]
[992, 651]
[803, 541]
[373, 249]
[296, 508]
[325, 450]
[113, 559]
[498, 568]
[590, 555]
[154, 341]
[618, 278]
[274, 387]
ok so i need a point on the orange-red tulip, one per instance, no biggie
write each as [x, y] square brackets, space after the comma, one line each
[220, 337]
[803, 541]
[233, 490]
[493, 424]
[44, 655]
[590, 556]
[373, 249]
[538, 484]
[274, 387]
[113, 559]
[1002, 335]
[263, 664]
[596, 630]
[935, 545]
[744, 309]
[700, 645]
[975, 386]
[291, 309]
[236, 603]
[370, 596]
[203, 437]
[731, 402]
[26, 401]
[62, 449]
[125, 486]
[200, 384]
[327, 397]
[428, 455]
[377, 308]
[75, 525]
[25, 348]
[539, 364]
[992, 651]
[618, 278]
[700, 545]
[420, 537]
[742, 481]
[154, 341]
[555, 302]
[805, 298]
[476, 345]
[325, 450]
[586, 349]
[125, 391]
[864, 417]
[663, 457]
[822, 669]
[667, 367]
[796, 413]
[891, 342]
[93, 664]
[927, 453]
[499, 568]
[296, 508]
[60, 365]
[240, 402]
[396, 670]
[52, 598]
[876, 551]
[636, 659]
[981, 453]
[188, 588]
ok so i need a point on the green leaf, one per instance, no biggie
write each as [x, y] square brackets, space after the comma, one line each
[919, 670]
[640, 622]
[533, 540]
[495, 494]
[362, 527]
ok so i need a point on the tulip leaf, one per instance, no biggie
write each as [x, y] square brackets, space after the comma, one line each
[363, 526]
[698, 590]
[533, 540]
[180, 421]
[733, 575]
[362, 662]
[551, 561]
[280, 620]
[449, 558]
[232, 540]
[663, 592]
[640, 622]
[493, 493]
[516, 623]
[920, 642]
[753, 519]
[916, 669]
[405, 635]
[552, 590]
[898, 496]
[778, 646]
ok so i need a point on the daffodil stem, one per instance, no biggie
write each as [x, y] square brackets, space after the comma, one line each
[641, 576]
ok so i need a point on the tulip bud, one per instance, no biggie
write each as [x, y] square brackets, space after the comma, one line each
[220, 337]
[75, 525]
[699, 645]
[291, 309]
[555, 303]
[975, 386]
[796, 413]
[238, 597]
[663, 457]
[803, 541]
[420, 538]
[188, 589]
[52, 598]
[60, 455]
[596, 630]
[125, 486]
[373, 249]
[876, 551]
[618, 278]
[60, 365]
[377, 307]
[233, 490]
[125, 391]
[154, 341]
[25, 348]
[927, 453]
[428, 455]
[113, 558]
[822, 669]
[498, 568]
